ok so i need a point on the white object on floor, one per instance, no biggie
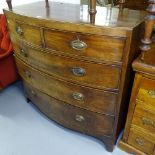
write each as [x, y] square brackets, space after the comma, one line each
[3, 3]
[24, 130]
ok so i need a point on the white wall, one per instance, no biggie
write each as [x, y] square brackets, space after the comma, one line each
[20, 2]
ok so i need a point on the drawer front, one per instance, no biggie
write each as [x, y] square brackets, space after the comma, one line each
[70, 116]
[91, 99]
[147, 92]
[85, 45]
[87, 73]
[144, 118]
[139, 141]
[25, 31]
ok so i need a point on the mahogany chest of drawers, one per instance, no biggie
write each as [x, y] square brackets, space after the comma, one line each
[75, 70]
[136, 4]
[139, 134]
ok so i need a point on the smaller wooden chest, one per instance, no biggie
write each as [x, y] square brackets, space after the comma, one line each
[139, 135]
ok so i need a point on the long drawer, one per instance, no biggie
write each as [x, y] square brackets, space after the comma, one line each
[71, 69]
[85, 97]
[70, 116]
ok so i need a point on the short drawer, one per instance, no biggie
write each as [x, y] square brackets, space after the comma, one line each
[84, 97]
[69, 116]
[76, 70]
[147, 91]
[140, 140]
[144, 118]
[25, 31]
[93, 47]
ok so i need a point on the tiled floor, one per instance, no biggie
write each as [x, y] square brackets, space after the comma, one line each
[26, 131]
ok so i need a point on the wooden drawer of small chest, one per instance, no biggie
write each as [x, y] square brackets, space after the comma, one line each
[93, 47]
[144, 118]
[141, 140]
[25, 31]
[84, 97]
[86, 73]
[70, 116]
[147, 91]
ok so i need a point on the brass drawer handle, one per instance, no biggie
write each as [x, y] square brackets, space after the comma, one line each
[19, 30]
[139, 141]
[78, 71]
[151, 93]
[78, 96]
[8, 21]
[28, 74]
[14, 54]
[78, 45]
[79, 118]
[147, 121]
[23, 52]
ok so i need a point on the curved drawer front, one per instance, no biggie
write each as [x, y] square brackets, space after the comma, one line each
[85, 45]
[70, 116]
[25, 31]
[91, 99]
[87, 73]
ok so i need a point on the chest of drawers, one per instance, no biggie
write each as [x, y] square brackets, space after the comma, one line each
[139, 134]
[75, 71]
[136, 4]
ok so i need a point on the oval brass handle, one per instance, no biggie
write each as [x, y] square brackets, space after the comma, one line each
[28, 74]
[78, 96]
[8, 21]
[151, 93]
[139, 141]
[14, 54]
[147, 121]
[78, 45]
[78, 71]
[79, 118]
[23, 52]
[19, 30]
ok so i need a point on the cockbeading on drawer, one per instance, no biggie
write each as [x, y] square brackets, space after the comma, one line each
[70, 116]
[95, 100]
[96, 75]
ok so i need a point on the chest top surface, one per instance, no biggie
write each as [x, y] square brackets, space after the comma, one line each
[78, 14]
